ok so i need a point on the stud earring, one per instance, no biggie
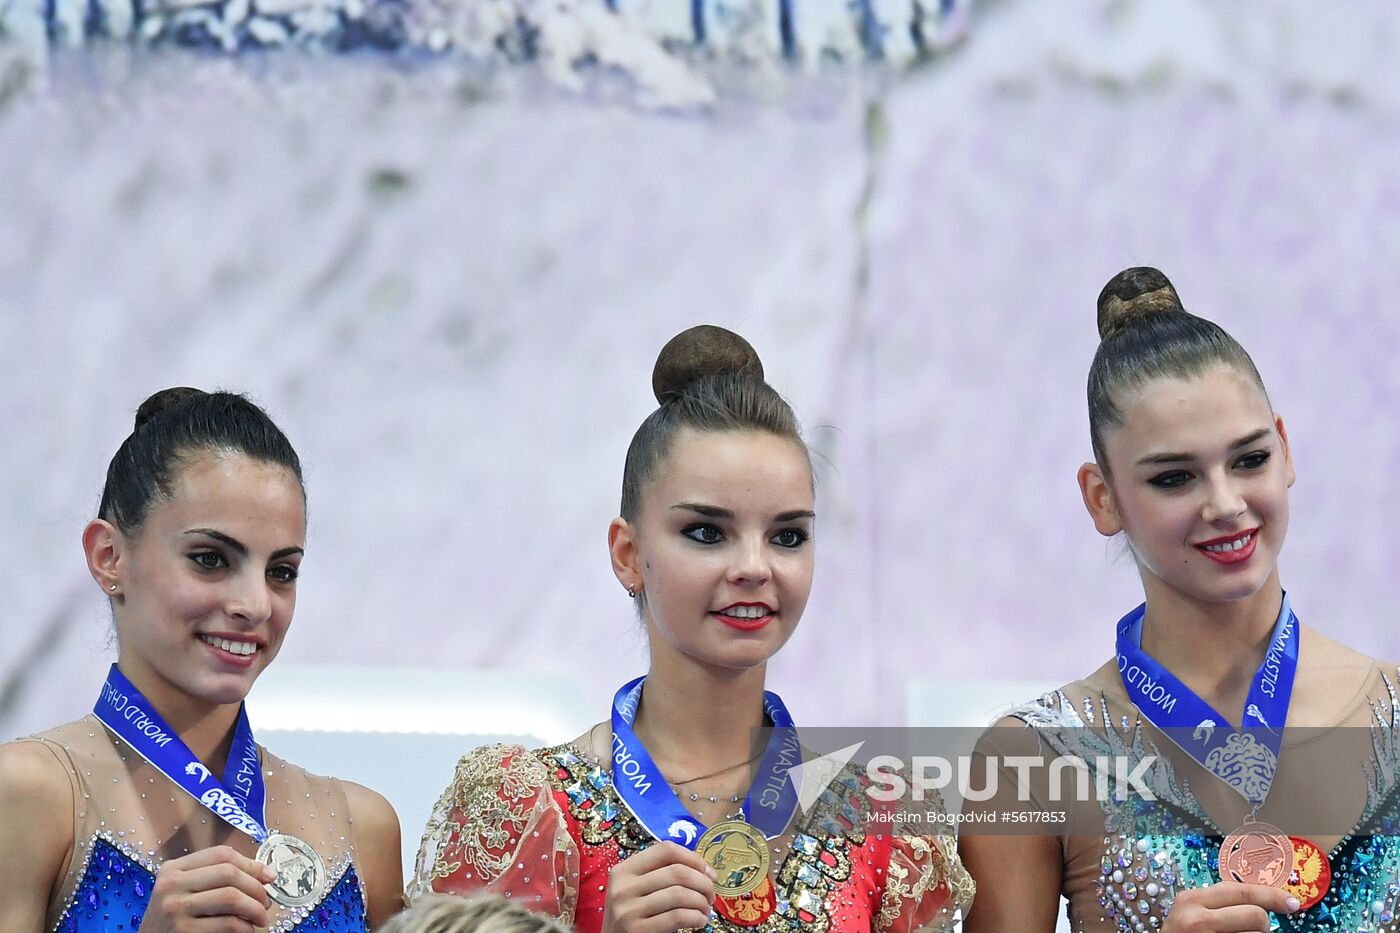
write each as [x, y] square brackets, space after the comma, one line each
[112, 587]
[632, 591]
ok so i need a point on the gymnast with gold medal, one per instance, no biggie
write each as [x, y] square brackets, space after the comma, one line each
[679, 812]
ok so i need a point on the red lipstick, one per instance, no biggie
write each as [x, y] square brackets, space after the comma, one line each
[1217, 550]
[747, 620]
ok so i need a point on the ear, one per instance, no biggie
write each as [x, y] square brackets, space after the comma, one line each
[1098, 499]
[622, 548]
[1287, 449]
[103, 546]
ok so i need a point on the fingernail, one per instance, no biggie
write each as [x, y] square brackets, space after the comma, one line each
[709, 870]
[1293, 904]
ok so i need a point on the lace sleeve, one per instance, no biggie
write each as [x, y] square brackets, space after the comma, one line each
[926, 886]
[497, 829]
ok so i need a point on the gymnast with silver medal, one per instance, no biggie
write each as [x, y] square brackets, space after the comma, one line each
[238, 797]
[301, 874]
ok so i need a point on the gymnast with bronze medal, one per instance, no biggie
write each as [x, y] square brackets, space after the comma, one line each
[680, 812]
[159, 811]
[1193, 466]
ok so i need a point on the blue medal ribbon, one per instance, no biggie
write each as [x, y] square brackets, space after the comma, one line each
[1245, 758]
[238, 799]
[769, 804]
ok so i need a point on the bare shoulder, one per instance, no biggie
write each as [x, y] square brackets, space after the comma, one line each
[594, 740]
[378, 840]
[36, 835]
[1326, 652]
[374, 816]
[30, 774]
[596, 744]
[1331, 679]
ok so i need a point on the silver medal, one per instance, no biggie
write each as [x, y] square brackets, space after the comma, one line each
[301, 875]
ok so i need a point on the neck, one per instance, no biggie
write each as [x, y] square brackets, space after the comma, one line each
[206, 728]
[698, 720]
[1213, 648]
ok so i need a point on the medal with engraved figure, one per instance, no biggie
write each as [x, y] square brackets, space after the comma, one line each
[238, 796]
[739, 855]
[301, 874]
[737, 849]
[1257, 853]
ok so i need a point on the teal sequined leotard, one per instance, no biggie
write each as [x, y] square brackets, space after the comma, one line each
[1341, 784]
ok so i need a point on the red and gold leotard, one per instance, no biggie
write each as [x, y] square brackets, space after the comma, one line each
[545, 827]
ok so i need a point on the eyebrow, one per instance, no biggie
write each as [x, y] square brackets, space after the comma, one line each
[239, 547]
[1172, 457]
[713, 511]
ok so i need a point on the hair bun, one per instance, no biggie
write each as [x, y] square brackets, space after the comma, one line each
[704, 350]
[1134, 293]
[163, 400]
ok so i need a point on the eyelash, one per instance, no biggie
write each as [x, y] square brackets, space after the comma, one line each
[1175, 479]
[693, 533]
[282, 573]
[198, 558]
[801, 536]
[286, 573]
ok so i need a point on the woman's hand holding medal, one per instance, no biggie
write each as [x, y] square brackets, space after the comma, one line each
[661, 889]
[215, 890]
[1228, 907]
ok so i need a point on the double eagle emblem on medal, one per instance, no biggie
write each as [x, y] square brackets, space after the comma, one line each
[738, 853]
[301, 874]
[1258, 853]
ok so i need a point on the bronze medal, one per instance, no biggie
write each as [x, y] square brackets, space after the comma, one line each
[1257, 853]
[301, 875]
[739, 855]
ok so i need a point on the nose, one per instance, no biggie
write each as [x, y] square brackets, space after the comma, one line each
[251, 601]
[1223, 502]
[751, 567]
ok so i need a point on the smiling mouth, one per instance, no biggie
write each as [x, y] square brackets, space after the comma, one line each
[746, 617]
[240, 649]
[1231, 550]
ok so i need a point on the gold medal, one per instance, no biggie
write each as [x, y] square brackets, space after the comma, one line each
[739, 855]
[1257, 853]
[301, 875]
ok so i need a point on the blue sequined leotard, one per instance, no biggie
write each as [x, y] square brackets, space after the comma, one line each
[128, 818]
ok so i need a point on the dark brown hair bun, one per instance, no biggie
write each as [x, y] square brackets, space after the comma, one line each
[704, 350]
[172, 426]
[1146, 335]
[1133, 293]
[162, 400]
